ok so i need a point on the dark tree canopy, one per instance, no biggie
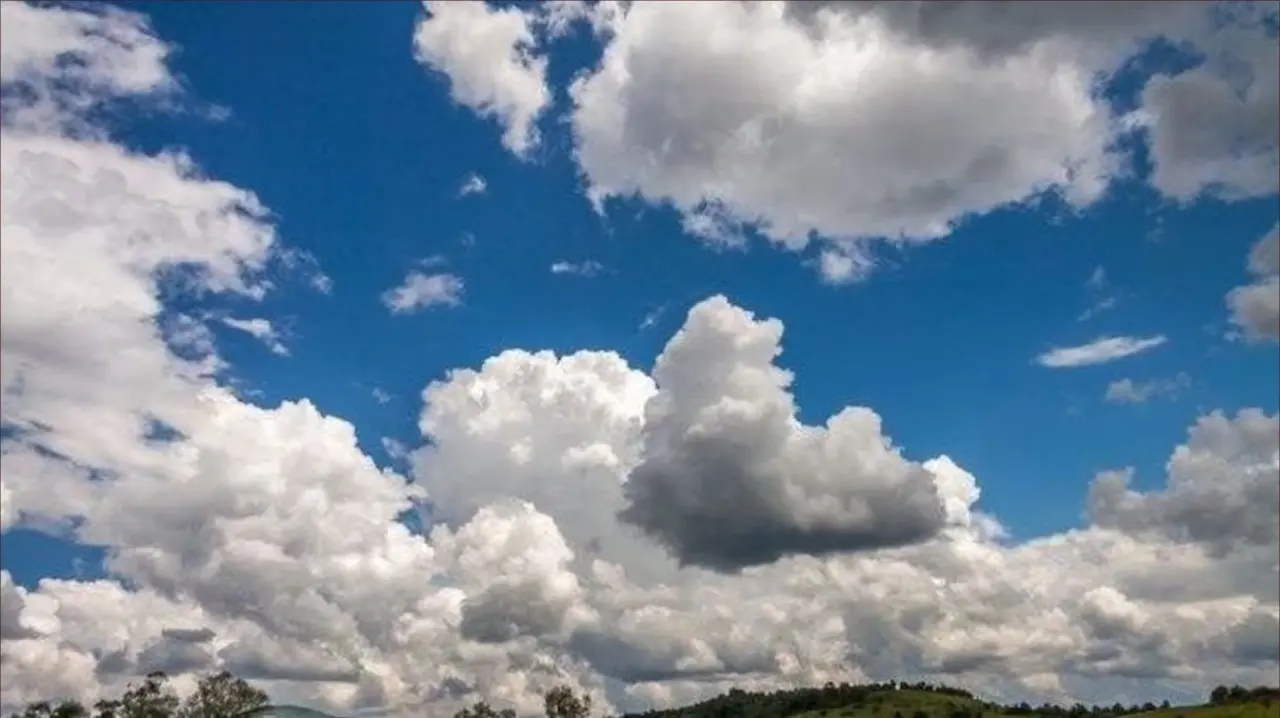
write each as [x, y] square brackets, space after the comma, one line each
[223, 695]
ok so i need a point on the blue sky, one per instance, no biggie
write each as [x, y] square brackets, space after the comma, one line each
[361, 155]
[360, 151]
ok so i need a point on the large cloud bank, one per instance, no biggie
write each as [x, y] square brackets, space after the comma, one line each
[647, 537]
[850, 123]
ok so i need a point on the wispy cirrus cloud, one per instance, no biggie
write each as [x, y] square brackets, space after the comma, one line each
[262, 330]
[1098, 351]
[586, 268]
[473, 184]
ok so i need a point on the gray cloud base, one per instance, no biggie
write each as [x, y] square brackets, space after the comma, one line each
[729, 478]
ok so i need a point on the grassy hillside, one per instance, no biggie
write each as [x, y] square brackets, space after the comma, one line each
[1258, 709]
[921, 701]
[908, 704]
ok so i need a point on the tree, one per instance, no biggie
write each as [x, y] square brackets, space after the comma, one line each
[562, 702]
[221, 695]
[65, 709]
[484, 710]
[151, 699]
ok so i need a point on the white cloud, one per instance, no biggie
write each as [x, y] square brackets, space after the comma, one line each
[473, 184]
[1098, 307]
[262, 330]
[420, 291]
[651, 317]
[1128, 391]
[486, 54]
[273, 545]
[394, 448]
[1098, 285]
[1097, 279]
[787, 118]
[585, 268]
[68, 62]
[743, 108]
[382, 396]
[1099, 351]
[1255, 308]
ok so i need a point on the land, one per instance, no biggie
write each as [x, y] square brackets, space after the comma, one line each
[940, 702]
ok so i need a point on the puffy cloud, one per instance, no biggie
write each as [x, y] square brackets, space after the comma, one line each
[1128, 391]
[420, 291]
[767, 118]
[274, 547]
[1099, 351]
[1224, 487]
[1213, 127]
[58, 63]
[11, 626]
[486, 54]
[730, 478]
[558, 432]
[1255, 308]
[858, 122]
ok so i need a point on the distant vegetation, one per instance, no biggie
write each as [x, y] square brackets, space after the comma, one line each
[223, 695]
[925, 700]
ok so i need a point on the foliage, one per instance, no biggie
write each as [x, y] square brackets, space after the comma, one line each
[482, 710]
[924, 700]
[562, 702]
[223, 695]
[220, 695]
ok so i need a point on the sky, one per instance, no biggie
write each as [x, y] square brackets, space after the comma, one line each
[396, 356]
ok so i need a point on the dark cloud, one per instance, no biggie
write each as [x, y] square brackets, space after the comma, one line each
[996, 29]
[731, 479]
[506, 612]
[174, 656]
[190, 635]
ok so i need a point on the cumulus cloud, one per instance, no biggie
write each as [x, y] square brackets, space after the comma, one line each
[1213, 128]
[276, 548]
[421, 291]
[486, 54]
[790, 120]
[1255, 308]
[764, 123]
[1224, 487]
[1128, 391]
[1098, 351]
[57, 65]
[730, 478]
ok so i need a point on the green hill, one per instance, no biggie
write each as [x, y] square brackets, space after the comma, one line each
[924, 704]
[929, 701]
[1252, 709]
[909, 704]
